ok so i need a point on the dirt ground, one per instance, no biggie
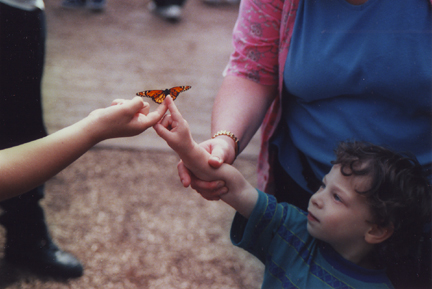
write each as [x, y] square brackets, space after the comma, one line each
[120, 208]
[93, 58]
[125, 215]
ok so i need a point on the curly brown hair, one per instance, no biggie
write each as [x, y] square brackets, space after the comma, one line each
[399, 195]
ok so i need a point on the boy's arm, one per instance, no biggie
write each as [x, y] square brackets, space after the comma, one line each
[28, 165]
[175, 131]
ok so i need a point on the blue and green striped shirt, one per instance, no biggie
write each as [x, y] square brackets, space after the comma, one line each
[276, 234]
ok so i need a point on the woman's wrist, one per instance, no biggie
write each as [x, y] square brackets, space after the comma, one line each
[228, 134]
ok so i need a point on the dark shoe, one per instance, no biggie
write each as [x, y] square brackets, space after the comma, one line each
[28, 242]
[46, 260]
[171, 13]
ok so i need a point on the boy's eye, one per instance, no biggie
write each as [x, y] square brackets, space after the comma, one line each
[337, 198]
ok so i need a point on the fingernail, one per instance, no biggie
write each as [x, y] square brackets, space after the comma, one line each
[216, 159]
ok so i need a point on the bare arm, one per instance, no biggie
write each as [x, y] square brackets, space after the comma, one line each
[175, 131]
[240, 107]
[31, 164]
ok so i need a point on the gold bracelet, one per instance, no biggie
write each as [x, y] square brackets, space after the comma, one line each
[231, 135]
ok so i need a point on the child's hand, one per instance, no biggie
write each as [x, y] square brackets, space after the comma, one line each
[174, 129]
[124, 118]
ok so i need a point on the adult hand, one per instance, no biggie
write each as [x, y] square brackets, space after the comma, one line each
[222, 150]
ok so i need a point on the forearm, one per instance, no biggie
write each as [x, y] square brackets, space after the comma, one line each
[31, 164]
[240, 107]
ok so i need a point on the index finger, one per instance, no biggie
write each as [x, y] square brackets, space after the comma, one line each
[173, 108]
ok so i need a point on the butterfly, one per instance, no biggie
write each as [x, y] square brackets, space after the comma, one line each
[159, 96]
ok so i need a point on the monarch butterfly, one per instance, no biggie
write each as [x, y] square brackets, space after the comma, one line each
[158, 96]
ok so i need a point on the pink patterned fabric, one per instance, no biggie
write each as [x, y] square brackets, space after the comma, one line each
[261, 39]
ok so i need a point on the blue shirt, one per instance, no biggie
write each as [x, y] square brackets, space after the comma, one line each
[357, 73]
[277, 235]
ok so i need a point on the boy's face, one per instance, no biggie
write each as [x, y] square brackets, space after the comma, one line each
[338, 214]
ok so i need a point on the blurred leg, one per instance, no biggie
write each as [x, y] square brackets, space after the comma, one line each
[22, 49]
[168, 9]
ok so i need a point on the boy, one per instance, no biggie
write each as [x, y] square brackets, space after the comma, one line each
[28, 165]
[369, 205]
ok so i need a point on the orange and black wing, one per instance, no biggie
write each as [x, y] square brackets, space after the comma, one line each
[158, 96]
[174, 91]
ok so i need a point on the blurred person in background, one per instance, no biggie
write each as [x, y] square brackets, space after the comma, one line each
[22, 52]
[169, 10]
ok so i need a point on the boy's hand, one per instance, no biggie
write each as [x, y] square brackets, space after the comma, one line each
[124, 118]
[174, 129]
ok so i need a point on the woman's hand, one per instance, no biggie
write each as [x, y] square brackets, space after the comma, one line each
[222, 150]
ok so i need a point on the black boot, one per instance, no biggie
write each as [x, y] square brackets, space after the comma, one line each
[28, 242]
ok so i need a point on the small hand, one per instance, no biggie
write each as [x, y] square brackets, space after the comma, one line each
[124, 118]
[174, 129]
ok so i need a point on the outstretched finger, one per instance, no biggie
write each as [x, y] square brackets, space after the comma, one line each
[157, 115]
[173, 108]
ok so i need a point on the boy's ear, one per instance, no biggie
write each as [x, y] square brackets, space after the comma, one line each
[378, 234]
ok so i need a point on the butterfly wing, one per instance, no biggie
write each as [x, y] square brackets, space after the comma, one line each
[157, 96]
[174, 91]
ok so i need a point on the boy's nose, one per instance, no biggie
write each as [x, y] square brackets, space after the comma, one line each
[316, 200]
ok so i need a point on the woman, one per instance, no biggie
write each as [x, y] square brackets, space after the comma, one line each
[315, 73]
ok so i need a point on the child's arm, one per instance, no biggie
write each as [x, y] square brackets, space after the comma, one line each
[28, 165]
[175, 131]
